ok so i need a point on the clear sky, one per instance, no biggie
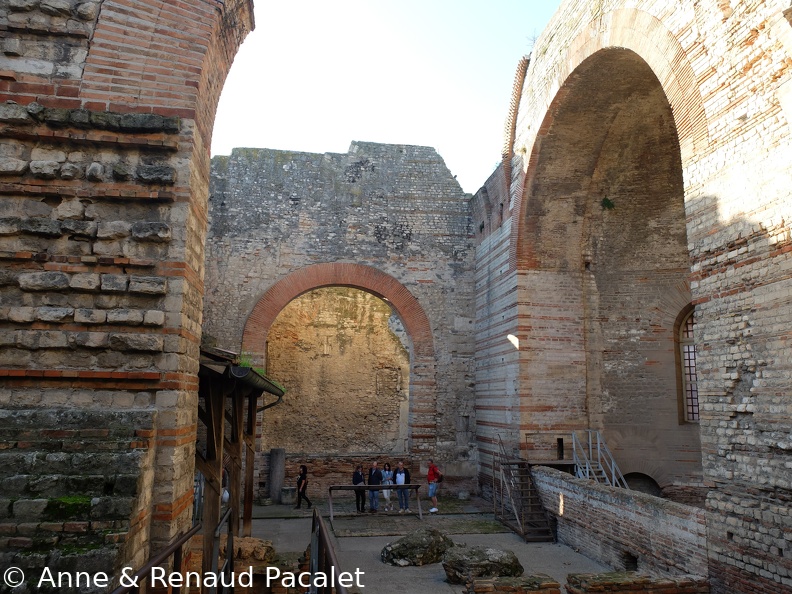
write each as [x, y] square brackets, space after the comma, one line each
[318, 74]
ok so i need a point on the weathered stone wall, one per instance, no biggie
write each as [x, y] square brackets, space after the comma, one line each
[611, 525]
[285, 223]
[76, 486]
[107, 110]
[104, 182]
[346, 374]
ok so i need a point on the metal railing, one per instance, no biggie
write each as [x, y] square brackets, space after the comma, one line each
[593, 460]
[363, 487]
[174, 549]
[227, 569]
[323, 558]
[503, 477]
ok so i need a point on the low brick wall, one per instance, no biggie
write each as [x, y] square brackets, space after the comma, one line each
[633, 583]
[625, 529]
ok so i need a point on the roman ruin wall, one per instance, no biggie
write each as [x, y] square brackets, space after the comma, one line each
[724, 71]
[624, 529]
[347, 374]
[387, 219]
[106, 115]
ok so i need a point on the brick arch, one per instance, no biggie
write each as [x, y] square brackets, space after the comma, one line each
[646, 35]
[341, 274]
[422, 423]
[619, 124]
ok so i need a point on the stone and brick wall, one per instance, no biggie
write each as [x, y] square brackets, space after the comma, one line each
[387, 219]
[106, 112]
[618, 527]
[517, 585]
[723, 69]
[583, 583]
[76, 486]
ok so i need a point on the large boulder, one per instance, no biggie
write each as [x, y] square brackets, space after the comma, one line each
[421, 547]
[463, 563]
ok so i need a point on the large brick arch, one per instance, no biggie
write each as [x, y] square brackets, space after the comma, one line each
[648, 37]
[356, 276]
[611, 133]
[422, 424]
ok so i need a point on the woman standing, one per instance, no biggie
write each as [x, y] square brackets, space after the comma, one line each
[387, 479]
[302, 485]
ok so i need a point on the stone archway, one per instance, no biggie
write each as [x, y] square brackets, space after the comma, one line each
[422, 423]
[602, 223]
[648, 37]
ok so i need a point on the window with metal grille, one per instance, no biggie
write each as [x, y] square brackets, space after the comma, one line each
[688, 359]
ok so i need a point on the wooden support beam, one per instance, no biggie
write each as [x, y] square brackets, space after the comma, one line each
[213, 467]
[235, 449]
[250, 462]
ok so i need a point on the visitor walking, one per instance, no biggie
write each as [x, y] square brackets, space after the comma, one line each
[433, 476]
[360, 493]
[401, 476]
[374, 478]
[302, 486]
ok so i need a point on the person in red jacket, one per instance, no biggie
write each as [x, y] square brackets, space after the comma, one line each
[433, 477]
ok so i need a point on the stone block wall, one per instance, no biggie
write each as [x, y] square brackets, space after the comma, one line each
[519, 585]
[619, 527]
[387, 219]
[76, 487]
[106, 110]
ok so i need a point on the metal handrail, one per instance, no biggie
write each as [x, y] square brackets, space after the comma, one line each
[175, 548]
[612, 469]
[228, 564]
[323, 558]
[588, 460]
[508, 482]
[583, 468]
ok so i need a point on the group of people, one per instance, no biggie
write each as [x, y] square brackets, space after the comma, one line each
[387, 479]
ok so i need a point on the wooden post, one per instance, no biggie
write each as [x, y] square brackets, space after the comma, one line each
[250, 464]
[212, 467]
[235, 482]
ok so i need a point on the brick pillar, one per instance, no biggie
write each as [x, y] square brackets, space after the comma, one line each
[102, 222]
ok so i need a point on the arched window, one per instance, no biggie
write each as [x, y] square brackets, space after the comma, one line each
[687, 368]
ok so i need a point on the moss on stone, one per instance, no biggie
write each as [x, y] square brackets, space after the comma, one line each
[68, 507]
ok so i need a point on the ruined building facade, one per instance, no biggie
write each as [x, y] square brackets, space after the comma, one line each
[643, 202]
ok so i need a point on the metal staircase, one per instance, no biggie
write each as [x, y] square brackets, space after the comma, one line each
[593, 460]
[517, 502]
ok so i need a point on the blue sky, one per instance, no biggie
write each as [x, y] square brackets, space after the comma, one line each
[317, 74]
